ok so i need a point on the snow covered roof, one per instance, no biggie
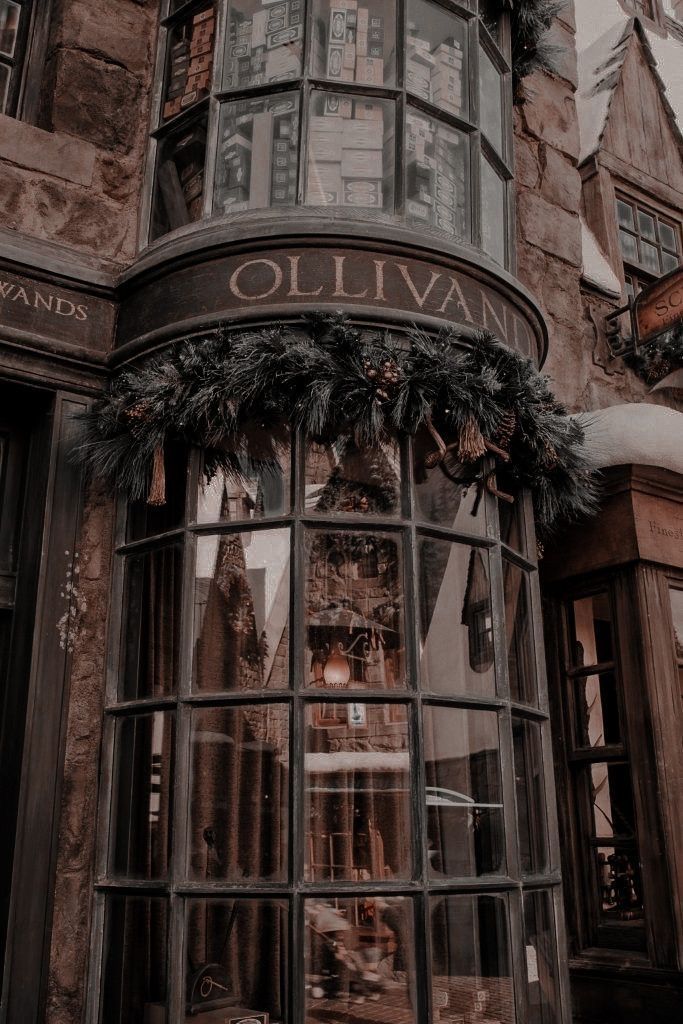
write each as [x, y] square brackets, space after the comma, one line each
[595, 268]
[636, 433]
[603, 33]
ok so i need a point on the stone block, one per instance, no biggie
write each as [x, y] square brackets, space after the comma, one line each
[549, 113]
[111, 31]
[13, 187]
[561, 181]
[565, 58]
[555, 231]
[52, 153]
[527, 169]
[113, 114]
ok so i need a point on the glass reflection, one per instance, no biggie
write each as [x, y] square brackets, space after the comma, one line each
[4, 87]
[264, 43]
[10, 13]
[190, 61]
[456, 619]
[444, 494]
[531, 817]
[151, 631]
[354, 610]
[341, 478]
[179, 198]
[258, 487]
[360, 960]
[351, 152]
[676, 599]
[471, 968]
[146, 520]
[465, 830]
[239, 793]
[612, 800]
[541, 963]
[237, 960]
[357, 792]
[511, 513]
[596, 710]
[518, 633]
[620, 887]
[593, 631]
[437, 175]
[436, 57]
[241, 611]
[354, 42]
[491, 101]
[134, 979]
[140, 842]
[493, 212]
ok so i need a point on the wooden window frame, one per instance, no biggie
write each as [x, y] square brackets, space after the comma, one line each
[636, 276]
[27, 66]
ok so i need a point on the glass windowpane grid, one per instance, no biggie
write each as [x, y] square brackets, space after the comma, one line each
[646, 240]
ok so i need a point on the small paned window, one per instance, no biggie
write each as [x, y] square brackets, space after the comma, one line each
[603, 795]
[650, 244]
[365, 108]
[15, 19]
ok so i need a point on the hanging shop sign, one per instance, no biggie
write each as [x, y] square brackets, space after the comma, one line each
[284, 281]
[659, 308]
[44, 310]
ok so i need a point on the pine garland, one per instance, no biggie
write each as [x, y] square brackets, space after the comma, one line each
[530, 21]
[656, 360]
[477, 398]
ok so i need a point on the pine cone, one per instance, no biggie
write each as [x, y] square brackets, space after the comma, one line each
[505, 430]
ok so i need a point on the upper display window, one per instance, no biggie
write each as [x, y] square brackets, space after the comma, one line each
[374, 108]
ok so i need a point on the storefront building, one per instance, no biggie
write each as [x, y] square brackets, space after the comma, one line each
[298, 744]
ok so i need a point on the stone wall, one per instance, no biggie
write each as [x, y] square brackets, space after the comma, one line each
[76, 177]
[73, 894]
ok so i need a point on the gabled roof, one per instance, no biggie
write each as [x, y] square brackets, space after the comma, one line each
[601, 61]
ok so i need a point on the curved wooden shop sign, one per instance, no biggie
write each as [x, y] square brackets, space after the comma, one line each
[368, 283]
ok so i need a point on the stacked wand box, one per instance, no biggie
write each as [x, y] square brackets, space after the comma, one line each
[435, 73]
[257, 164]
[266, 46]
[435, 175]
[349, 46]
[191, 63]
[349, 154]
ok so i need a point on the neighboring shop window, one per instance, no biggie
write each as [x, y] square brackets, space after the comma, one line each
[15, 21]
[342, 106]
[326, 738]
[676, 598]
[650, 244]
[602, 787]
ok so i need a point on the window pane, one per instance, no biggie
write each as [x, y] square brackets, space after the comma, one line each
[354, 611]
[646, 226]
[179, 197]
[358, 953]
[676, 598]
[4, 87]
[596, 710]
[357, 806]
[668, 262]
[151, 628]
[436, 57]
[511, 513]
[649, 257]
[145, 520]
[490, 100]
[519, 634]
[471, 967]
[593, 643]
[437, 176]
[541, 964]
[239, 793]
[493, 219]
[489, 12]
[134, 978]
[237, 960]
[190, 61]
[257, 163]
[629, 246]
[620, 896]
[531, 818]
[612, 800]
[355, 43]
[241, 611]
[351, 158]
[264, 44]
[257, 488]
[465, 832]
[668, 236]
[342, 478]
[140, 834]
[456, 618]
[625, 215]
[10, 13]
[443, 494]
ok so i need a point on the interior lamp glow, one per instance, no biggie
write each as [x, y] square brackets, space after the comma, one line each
[337, 671]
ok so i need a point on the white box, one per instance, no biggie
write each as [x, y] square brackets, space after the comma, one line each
[361, 163]
[361, 134]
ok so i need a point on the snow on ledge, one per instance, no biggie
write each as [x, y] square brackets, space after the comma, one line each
[634, 434]
[595, 268]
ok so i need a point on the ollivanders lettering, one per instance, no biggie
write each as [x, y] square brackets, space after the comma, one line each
[42, 302]
[368, 280]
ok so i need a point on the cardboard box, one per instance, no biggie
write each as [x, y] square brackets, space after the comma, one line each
[418, 210]
[366, 111]
[337, 26]
[324, 185]
[362, 193]
[370, 70]
[361, 134]
[335, 61]
[325, 146]
[338, 106]
[361, 163]
[203, 16]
